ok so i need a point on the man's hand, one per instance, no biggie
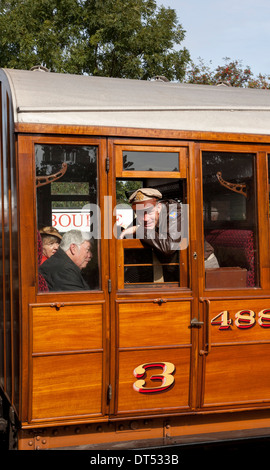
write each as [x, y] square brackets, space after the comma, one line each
[128, 231]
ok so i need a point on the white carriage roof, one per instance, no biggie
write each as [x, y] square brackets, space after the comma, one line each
[52, 98]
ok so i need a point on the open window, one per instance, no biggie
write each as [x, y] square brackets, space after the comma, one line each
[230, 219]
[142, 264]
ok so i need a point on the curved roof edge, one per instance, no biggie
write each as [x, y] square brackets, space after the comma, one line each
[51, 98]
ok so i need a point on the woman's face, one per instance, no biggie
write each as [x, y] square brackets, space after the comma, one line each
[50, 246]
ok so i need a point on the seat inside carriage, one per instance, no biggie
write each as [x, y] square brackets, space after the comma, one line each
[234, 250]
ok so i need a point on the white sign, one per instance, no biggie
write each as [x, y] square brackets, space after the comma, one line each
[71, 219]
[124, 217]
[81, 219]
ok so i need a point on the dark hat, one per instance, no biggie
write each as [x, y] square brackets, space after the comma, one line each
[144, 194]
[50, 232]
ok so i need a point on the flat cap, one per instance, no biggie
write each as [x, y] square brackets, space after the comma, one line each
[144, 194]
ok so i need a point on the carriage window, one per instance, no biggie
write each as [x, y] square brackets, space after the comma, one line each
[230, 220]
[150, 161]
[67, 216]
[147, 262]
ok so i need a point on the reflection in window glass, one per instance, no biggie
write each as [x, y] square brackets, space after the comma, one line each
[150, 161]
[70, 188]
[67, 198]
[230, 220]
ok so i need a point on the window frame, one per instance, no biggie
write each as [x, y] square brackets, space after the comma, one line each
[120, 173]
[30, 142]
[261, 194]
[182, 149]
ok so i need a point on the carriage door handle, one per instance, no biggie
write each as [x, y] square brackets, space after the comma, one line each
[160, 301]
[195, 323]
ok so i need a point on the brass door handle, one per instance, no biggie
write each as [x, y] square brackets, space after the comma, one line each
[195, 323]
[159, 301]
[57, 306]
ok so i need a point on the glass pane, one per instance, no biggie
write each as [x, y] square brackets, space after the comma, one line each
[138, 274]
[143, 266]
[150, 161]
[70, 188]
[67, 211]
[230, 220]
[132, 256]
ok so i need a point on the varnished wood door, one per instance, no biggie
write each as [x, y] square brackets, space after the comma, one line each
[235, 310]
[236, 371]
[65, 353]
[154, 344]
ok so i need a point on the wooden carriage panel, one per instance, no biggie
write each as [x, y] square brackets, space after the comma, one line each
[237, 345]
[244, 320]
[67, 328]
[153, 396]
[67, 361]
[152, 323]
[154, 356]
[237, 375]
[66, 385]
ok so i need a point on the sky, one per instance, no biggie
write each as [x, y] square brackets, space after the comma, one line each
[215, 29]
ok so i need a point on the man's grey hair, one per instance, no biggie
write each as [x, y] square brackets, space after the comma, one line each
[73, 236]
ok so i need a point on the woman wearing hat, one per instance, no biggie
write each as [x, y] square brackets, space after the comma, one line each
[51, 239]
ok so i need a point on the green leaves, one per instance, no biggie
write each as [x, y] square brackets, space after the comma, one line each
[117, 38]
[36, 32]
[231, 73]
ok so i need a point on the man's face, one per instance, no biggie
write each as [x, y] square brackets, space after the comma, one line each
[148, 214]
[82, 254]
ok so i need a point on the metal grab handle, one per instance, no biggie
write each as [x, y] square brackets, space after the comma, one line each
[57, 306]
[159, 301]
[207, 341]
[195, 323]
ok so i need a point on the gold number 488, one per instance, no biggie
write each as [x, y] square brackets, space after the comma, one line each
[243, 319]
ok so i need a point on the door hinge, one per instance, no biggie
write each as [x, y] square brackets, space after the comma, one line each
[109, 393]
[109, 286]
[107, 164]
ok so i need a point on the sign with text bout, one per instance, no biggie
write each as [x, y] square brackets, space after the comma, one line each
[71, 219]
[87, 219]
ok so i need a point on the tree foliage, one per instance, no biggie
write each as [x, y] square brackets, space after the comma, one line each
[231, 73]
[116, 38]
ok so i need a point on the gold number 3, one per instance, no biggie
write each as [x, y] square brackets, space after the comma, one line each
[166, 377]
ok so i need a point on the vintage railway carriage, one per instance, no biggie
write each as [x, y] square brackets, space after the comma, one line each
[136, 359]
